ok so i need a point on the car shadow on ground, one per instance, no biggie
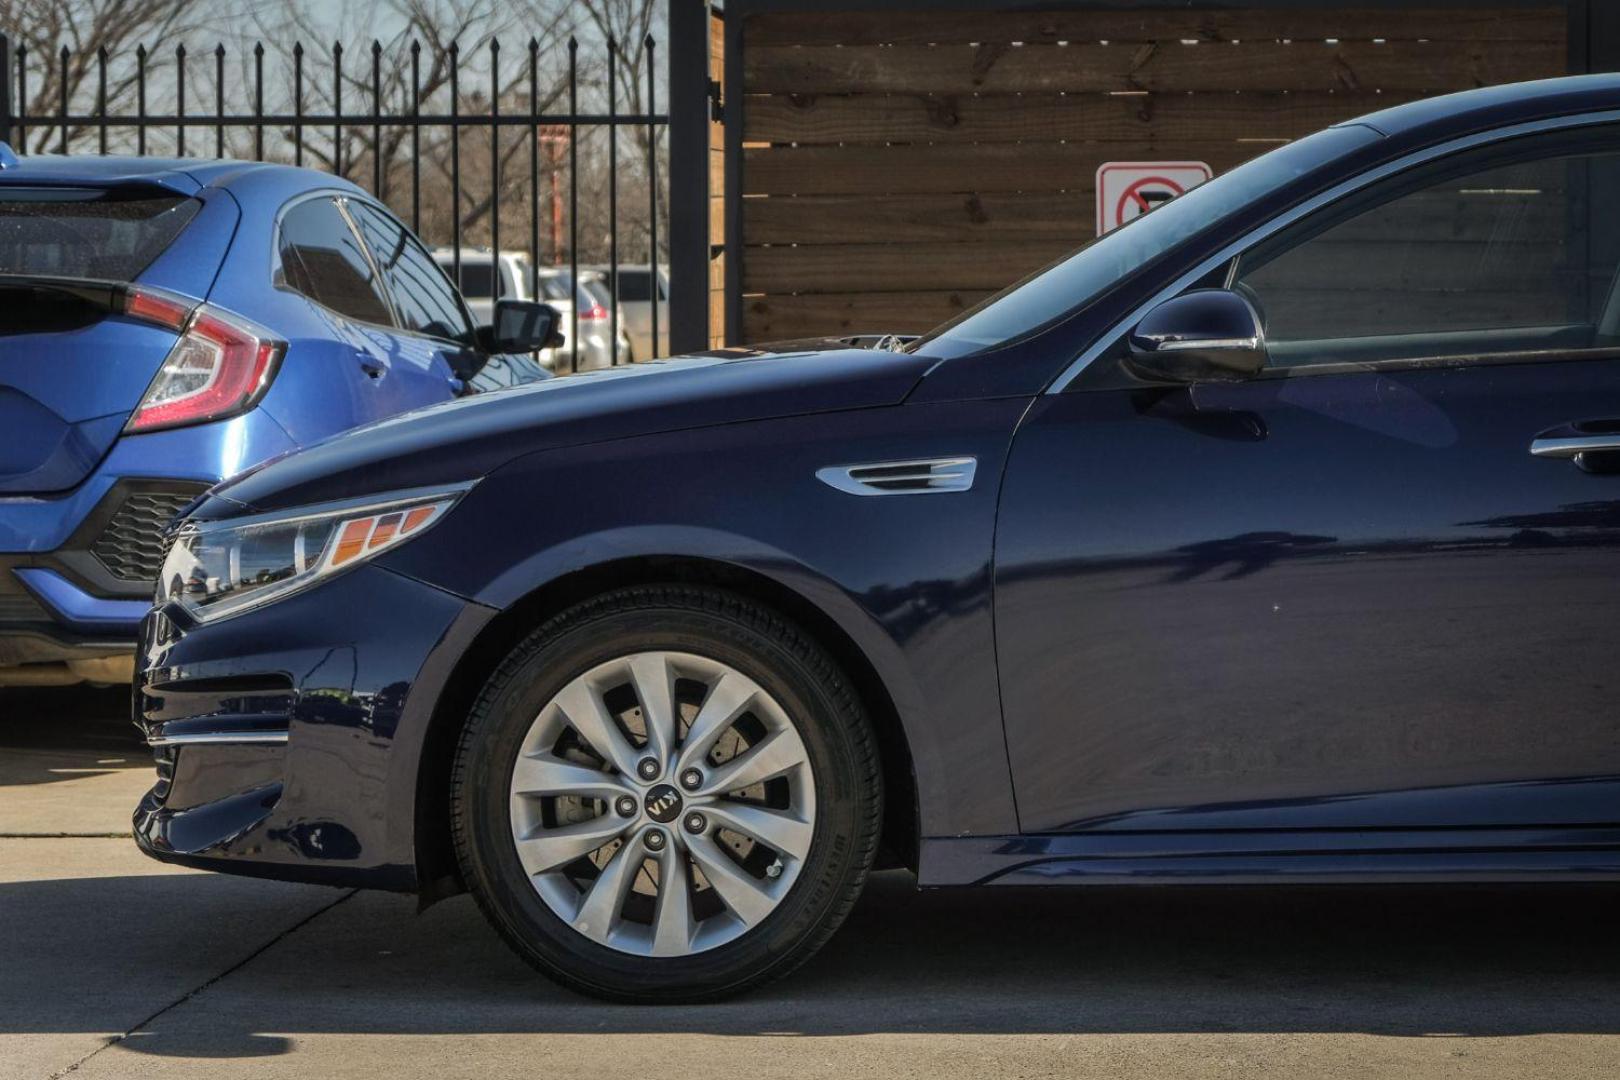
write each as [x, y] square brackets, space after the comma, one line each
[1458, 962]
[62, 733]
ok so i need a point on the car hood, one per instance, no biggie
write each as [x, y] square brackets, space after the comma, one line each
[470, 437]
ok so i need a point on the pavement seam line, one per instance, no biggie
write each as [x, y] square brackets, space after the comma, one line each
[198, 990]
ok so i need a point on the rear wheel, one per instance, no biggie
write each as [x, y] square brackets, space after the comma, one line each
[666, 794]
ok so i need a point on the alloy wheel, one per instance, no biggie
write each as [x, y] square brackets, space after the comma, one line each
[662, 804]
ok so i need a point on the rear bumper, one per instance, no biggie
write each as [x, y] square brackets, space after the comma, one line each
[288, 739]
[72, 612]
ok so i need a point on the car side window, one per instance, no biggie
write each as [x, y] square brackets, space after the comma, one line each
[426, 301]
[1494, 251]
[321, 258]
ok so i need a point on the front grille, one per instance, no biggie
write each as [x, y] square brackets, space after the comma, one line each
[131, 546]
[21, 608]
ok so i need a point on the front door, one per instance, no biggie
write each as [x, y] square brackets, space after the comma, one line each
[1344, 594]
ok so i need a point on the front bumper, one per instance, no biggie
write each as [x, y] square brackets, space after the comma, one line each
[288, 738]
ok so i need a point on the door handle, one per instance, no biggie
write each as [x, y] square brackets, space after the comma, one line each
[1577, 441]
[1569, 446]
[369, 364]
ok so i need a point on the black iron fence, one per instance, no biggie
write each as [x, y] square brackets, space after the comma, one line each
[471, 147]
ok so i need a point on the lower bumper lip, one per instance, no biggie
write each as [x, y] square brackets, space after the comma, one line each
[77, 609]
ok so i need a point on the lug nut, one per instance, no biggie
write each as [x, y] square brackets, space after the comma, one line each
[654, 840]
[625, 805]
[695, 822]
[648, 769]
[691, 779]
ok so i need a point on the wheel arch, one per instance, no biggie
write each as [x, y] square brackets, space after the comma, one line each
[437, 871]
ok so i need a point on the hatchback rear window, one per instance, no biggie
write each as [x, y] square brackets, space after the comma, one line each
[87, 232]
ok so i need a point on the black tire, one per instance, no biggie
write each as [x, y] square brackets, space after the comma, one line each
[725, 627]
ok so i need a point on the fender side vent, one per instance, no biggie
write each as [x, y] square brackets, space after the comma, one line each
[920, 477]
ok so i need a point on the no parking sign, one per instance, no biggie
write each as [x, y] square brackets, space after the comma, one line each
[1129, 189]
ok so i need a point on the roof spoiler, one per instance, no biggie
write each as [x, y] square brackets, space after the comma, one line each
[8, 157]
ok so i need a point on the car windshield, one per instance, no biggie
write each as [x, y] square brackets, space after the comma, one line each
[1080, 277]
[87, 232]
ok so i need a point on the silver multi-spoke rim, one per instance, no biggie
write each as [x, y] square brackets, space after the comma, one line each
[607, 848]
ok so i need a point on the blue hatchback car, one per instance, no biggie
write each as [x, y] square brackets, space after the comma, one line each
[1274, 536]
[164, 325]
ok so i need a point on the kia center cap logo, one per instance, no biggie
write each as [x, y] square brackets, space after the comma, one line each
[663, 803]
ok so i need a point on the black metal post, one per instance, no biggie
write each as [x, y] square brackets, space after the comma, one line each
[5, 89]
[653, 284]
[298, 103]
[495, 161]
[180, 100]
[534, 170]
[376, 119]
[219, 100]
[101, 99]
[613, 202]
[688, 175]
[62, 141]
[455, 160]
[573, 203]
[258, 101]
[416, 138]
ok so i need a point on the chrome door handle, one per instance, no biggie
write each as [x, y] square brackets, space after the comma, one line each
[1569, 446]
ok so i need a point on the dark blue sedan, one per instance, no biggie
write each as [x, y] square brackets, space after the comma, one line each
[165, 324]
[1273, 537]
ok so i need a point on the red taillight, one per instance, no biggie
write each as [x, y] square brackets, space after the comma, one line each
[164, 309]
[594, 313]
[221, 366]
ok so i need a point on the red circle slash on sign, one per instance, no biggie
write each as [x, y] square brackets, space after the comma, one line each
[1128, 189]
[1137, 198]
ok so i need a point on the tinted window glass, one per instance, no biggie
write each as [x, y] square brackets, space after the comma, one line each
[477, 278]
[1074, 281]
[79, 232]
[322, 258]
[554, 287]
[1494, 250]
[633, 285]
[423, 295]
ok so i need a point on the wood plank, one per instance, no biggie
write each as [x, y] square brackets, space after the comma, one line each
[945, 118]
[1425, 67]
[778, 318]
[1483, 22]
[843, 219]
[848, 219]
[969, 264]
[981, 167]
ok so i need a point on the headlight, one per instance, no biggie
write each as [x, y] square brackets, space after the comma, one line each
[220, 568]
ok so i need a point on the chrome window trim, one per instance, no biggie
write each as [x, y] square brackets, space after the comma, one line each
[1111, 337]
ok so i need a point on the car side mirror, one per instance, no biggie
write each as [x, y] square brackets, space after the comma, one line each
[1207, 335]
[521, 326]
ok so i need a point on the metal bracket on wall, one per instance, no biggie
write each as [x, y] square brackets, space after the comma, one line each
[717, 106]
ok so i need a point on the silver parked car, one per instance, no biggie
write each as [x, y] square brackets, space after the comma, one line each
[636, 292]
[487, 276]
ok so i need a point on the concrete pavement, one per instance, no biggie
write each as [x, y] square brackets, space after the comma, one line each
[112, 965]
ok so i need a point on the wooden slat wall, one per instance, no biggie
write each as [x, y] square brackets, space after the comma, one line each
[717, 191]
[899, 166]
